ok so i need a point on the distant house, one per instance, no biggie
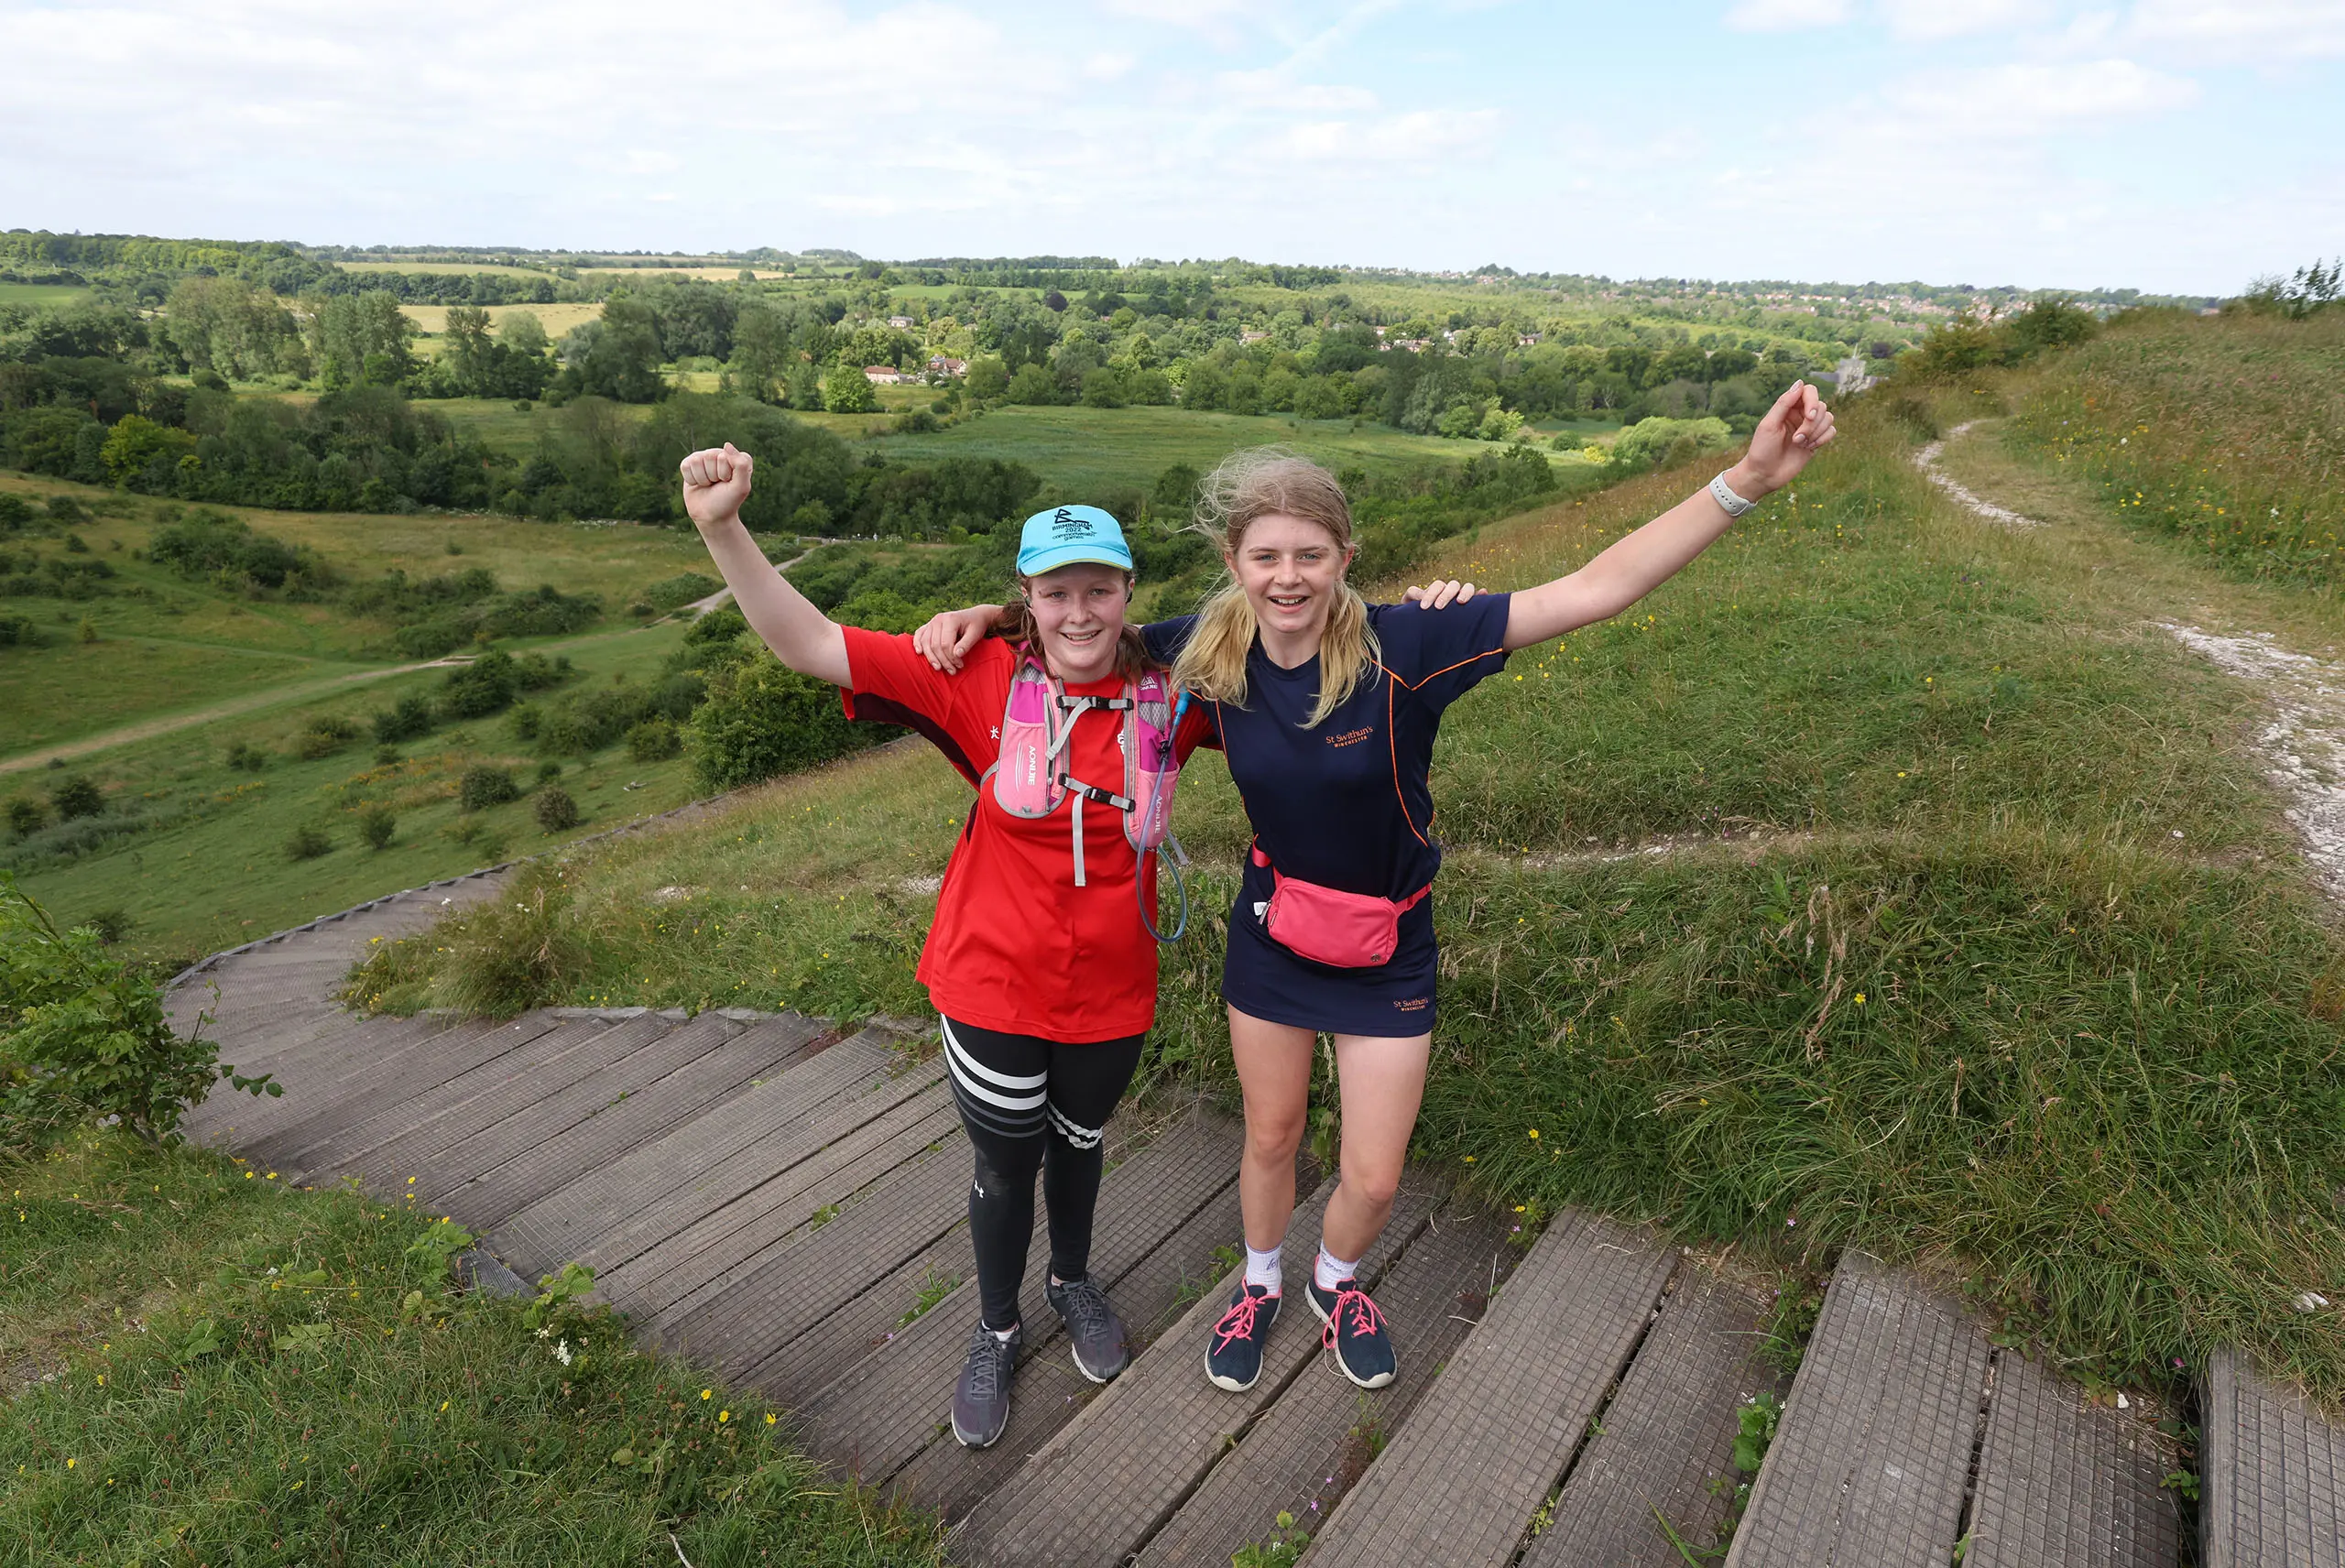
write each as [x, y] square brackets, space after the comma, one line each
[1248, 337]
[1524, 340]
[883, 374]
[939, 364]
[1853, 374]
[901, 323]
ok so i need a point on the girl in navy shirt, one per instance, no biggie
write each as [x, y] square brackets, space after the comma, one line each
[1327, 708]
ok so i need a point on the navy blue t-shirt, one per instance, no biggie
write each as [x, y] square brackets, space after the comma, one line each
[1346, 803]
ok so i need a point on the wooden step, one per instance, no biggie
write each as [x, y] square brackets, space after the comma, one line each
[2273, 1491]
[1666, 1440]
[1870, 1464]
[710, 1077]
[1311, 1446]
[229, 1117]
[1109, 1479]
[1461, 1480]
[878, 1415]
[2064, 1483]
[391, 1062]
[791, 1115]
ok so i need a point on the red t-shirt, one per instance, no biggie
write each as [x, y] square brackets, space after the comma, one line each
[1017, 946]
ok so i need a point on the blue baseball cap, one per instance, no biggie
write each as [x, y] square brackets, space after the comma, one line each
[1068, 533]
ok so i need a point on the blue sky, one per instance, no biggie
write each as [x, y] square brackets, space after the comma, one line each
[2177, 146]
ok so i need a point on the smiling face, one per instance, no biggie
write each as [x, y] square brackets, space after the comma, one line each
[1079, 611]
[1291, 569]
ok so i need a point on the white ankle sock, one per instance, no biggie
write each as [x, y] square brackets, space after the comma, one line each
[1332, 1270]
[1263, 1267]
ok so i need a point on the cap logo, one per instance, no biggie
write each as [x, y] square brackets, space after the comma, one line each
[1066, 526]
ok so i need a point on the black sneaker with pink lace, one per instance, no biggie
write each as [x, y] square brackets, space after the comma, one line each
[1233, 1348]
[1355, 1332]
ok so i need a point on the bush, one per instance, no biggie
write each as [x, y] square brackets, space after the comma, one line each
[17, 631]
[376, 826]
[407, 719]
[549, 770]
[80, 1038]
[556, 811]
[483, 686]
[77, 796]
[112, 925]
[27, 815]
[761, 719]
[306, 843]
[387, 756]
[1654, 442]
[323, 737]
[525, 722]
[245, 758]
[653, 740]
[681, 588]
[483, 787]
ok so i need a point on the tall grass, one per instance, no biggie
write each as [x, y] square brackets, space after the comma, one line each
[2228, 431]
[1879, 881]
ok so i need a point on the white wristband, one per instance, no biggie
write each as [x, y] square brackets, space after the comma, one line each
[1733, 505]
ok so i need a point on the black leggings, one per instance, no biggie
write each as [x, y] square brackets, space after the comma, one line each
[1032, 1104]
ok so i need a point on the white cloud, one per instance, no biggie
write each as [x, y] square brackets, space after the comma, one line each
[2026, 100]
[1424, 135]
[1109, 67]
[1931, 20]
[1787, 16]
[2261, 32]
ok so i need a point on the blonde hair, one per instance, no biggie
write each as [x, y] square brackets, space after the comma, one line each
[1262, 481]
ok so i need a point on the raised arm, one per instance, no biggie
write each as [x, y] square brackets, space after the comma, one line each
[1635, 565]
[715, 483]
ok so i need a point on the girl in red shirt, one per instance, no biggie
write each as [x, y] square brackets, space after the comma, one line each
[1039, 960]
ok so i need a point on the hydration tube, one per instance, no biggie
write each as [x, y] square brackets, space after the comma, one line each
[1166, 857]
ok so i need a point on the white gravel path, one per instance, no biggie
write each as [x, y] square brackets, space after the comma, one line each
[1926, 460]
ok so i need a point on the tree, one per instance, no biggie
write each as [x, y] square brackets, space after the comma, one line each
[846, 390]
[76, 797]
[762, 358]
[521, 331]
[361, 340]
[1032, 383]
[376, 826]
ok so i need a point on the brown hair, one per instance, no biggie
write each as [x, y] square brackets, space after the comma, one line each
[1258, 482]
[1016, 624]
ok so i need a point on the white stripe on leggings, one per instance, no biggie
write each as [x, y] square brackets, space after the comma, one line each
[965, 1073]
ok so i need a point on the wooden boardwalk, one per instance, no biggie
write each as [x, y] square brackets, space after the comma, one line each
[783, 1200]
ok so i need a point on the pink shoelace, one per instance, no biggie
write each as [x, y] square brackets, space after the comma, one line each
[1366, 1318]
[1237, 1322]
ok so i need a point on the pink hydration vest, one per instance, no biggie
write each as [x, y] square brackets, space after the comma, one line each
[1030, 777]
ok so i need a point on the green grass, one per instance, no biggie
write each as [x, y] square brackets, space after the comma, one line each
[42, 293]
[212, 870]
[168, 644]
[1882, 880]
[220, 1370]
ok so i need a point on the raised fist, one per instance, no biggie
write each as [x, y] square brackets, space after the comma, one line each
[715, 483]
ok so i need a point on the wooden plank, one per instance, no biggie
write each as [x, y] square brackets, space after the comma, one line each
[1098, 1489]
[1869, 1464]
[818, 1099]
[709, 1078]
[1311, 1446]
[2272, 1492]
[878, 1415]
[670, 1250]
[444, 1146]
[1459, 1484]
[392, 1067]
[738, 1320]
[2067, 1484]
[1047, 1391]
[224, 1108]
[498, 1082]
[1667, 1438]
[661, 1046]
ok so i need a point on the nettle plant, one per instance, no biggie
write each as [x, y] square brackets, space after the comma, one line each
[81, 1039]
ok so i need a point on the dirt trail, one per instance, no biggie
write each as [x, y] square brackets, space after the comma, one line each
[2302, 741]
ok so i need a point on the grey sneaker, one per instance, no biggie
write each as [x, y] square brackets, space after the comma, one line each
[1092, 1324]
[981, 1400]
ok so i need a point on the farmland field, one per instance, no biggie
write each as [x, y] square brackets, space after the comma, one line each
[556, 319]
[444, 268]
[42, 293]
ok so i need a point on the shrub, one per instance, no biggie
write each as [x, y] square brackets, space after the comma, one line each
[556, 811]
[247, 757]
[406, 720]
[17, 631]
[387, 756]
[324, 736]
[483, 686]
[525, 722]
[27, 815]
[15, 513]
[376, 826]
[653, 740]
[112, 925]
[681, 588]
[80, 1038]
[549, 770]
[761, 719]
[483, 787]
[77, 796]
[306, 843]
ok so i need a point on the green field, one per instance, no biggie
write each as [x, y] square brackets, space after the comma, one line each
[42, 293]
[1887, 879]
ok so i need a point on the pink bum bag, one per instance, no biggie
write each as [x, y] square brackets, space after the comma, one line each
[1326, 925]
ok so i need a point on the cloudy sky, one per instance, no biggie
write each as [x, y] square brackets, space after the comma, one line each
[2177, 146]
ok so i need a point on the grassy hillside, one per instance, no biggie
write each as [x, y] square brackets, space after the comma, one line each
[1885, 879]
